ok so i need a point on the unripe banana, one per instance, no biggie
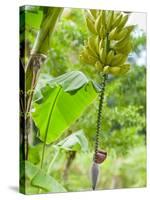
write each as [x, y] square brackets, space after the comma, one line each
[115, 70]
[93, 13]
[124, 68]
[92, 46]
[122, 43]
[92, 59]
[123, 21]
[110, 44]
[98, 23]
[91, 52]
[109, 57]
[90, 25]
[118, 59]
[102, 32]
[110, 20]
[88, 55]
[102, 43]
[126, 50]
[113, 34]
[122, 34]
[130, 28]
[103, 18]
[117, 21]
[97, 41]
[99, 66]
[84, 57]
[106, 69]
[102, 55]
[89, 15]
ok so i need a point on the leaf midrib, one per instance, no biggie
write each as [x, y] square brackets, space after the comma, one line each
[48, 124]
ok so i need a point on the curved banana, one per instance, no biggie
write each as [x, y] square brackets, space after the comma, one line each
[98, 23]
[123, 21]
[118, 59]
[106, 69]
[93, 13]
[99, 66]
[110, 57]
[117, 20]
[110, 43]
[90, 25]
[113, 34]
[115, 70]
[91, 45]
[110, 20]
[102, 55]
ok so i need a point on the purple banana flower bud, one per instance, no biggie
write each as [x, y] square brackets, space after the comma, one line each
[94, 172]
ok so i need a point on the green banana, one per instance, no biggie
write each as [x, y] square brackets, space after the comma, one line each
[118, 59]
[92, 46]
[112, 34]
[99, 66]
[115, 70]
[110, 57]
[130, 28]
[92, 59]
[97, 42]
[110, 44]
[93, 13]
[126, 50]
[122, 34]
[124, 68]
[110, 20]
[103, 18]
[102, 43]
[98, 24]
[91, 52]
[90, 25]
[117, 20]
[106, 69]
[122, 43]
[102, 55]
[123, 21]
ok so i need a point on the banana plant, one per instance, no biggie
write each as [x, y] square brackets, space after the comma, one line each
[32, 20]
[37, 178]
[107, 50]
[62, 101]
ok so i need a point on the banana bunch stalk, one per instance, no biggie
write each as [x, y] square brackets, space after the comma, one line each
[109, 43]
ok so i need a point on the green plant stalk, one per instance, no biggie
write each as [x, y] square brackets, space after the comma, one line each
[99, 122]
[101, 99]
[34, 64]
[99, 116]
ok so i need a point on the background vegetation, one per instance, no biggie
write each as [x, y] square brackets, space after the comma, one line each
[124, 126]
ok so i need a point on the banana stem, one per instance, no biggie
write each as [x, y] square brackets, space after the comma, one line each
[99, 116]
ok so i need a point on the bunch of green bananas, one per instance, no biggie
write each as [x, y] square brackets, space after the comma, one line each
[109, 44]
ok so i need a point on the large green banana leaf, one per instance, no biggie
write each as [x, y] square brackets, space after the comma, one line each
[63, 101]
[74, 142]
[37, 178]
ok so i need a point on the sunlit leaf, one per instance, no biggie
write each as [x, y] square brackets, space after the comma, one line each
[47, 182]
[62, 103]
[75, 142]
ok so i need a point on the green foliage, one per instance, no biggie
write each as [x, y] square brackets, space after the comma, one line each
[63, 100]
[36, 178]
[68, 101]
[74, 142]
[128, 171]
